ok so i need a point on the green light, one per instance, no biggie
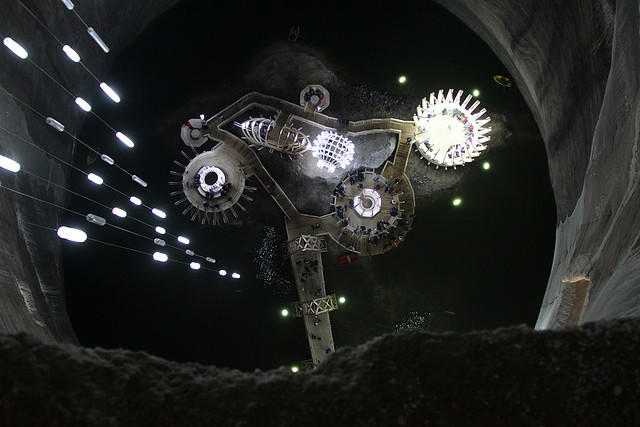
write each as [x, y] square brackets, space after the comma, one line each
[342, 300]
[457, 201]
[284, 312]
[294, 369]
[486, 166]
[402, 79]
[475, 93]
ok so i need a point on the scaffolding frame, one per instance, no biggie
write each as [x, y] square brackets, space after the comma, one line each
[316, 306]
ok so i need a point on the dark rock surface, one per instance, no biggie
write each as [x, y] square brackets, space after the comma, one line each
[513, 376]
[577, 64]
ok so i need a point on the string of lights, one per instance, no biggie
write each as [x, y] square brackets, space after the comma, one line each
[96, 179]
[92, 219]
[127, 248]
[68, 50]
[61, 128]
[22, 53]
[92, 32]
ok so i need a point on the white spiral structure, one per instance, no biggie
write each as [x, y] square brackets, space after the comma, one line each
[447, 132]
[262, 131]
[332, 149]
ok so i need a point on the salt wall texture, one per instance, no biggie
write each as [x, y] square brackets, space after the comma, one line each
[578, 65]
[31, 278]
[575, 376]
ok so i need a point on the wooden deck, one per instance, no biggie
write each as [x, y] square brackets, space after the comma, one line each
[298, 223]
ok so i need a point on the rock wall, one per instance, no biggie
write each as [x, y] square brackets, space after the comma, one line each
[515, 376]
[577, 62]
[31, 278]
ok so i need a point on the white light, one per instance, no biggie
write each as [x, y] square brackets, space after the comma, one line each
[189, 252]
[139, 180]
[211, 260]
[98, 40]
[83, 104]
[108, 160]
[159, 242]
[68, 3]
[222, 272]
[160, 230]
[135, 200]
[342, 300]
[158, 212]
[119, 212]
[125, 139]
[195, 266]
[201, 116]
[72, 234]
[402, 79]
[235, 275]
[160, 257]
[449, 128]
[15, 47]
[72, 54]
[95, 219]
[8, 164]
[95, 179]
[55, 124]
[332, 149]
[475, 93]
[183, 240]
[110, 92]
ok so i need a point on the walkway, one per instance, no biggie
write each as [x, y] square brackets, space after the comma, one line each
[312, 285]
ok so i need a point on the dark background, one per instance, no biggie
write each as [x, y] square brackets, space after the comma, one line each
[487, 261]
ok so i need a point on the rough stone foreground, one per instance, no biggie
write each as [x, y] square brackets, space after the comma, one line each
[513, 376]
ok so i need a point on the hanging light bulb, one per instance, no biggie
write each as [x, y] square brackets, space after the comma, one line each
[94, 35]
[72, 54]
[15, 48]
[83, 104]
[8, 164]
[55, 124]
[160, 256]
[95, 178]
[125, 139]
[110, 92]
[72, 234]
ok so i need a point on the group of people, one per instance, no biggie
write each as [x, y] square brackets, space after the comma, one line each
[310, 268]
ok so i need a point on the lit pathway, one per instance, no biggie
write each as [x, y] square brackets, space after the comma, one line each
[298, 224]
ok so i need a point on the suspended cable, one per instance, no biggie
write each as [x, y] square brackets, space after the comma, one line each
[127, 248]
[64, 130]
[80, 101]
[4, 187]
[88, 175]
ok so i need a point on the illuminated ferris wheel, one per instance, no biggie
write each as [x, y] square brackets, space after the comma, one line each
[448, 132]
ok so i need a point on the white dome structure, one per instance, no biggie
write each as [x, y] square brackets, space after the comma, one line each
[448, 132]
[332, 149]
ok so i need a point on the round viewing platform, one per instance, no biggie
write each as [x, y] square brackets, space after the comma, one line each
[370, 214]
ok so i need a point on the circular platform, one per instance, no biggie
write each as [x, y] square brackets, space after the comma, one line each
[213, 180]
[368, 206]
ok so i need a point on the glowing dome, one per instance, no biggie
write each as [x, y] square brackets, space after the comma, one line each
[332, 149]
[448, 132]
